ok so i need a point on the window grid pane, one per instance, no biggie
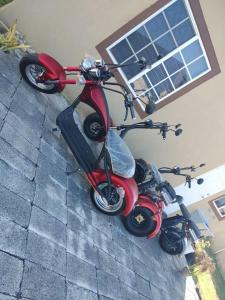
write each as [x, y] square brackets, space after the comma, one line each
[220, 206]
[165, 42]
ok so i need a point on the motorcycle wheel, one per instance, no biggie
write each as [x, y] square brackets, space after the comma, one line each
[141, 169]
[93, 127]
[114, 206]
[139, 222]
[31, 69]
[169, 244]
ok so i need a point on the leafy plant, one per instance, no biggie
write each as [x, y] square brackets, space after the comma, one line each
[9, 40]
[4, 2]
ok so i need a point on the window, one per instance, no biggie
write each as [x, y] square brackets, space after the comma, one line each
[220, 206]
[171, 41]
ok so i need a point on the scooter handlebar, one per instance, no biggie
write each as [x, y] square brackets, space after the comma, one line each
[184, 211]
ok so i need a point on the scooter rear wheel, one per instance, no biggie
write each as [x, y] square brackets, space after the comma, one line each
[31, 69]
[139, 222]
[114, 206]
[93, 127]
[171, 243]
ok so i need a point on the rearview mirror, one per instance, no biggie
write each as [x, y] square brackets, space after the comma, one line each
[150, 107]
[200, 180]
[178, 132]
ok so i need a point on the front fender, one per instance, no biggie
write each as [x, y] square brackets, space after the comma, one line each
[128, 184]
[155, 208]
[54, 69]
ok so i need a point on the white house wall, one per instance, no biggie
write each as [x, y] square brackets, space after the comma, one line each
[214, 182]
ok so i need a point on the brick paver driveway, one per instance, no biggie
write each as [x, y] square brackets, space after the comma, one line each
[53, 243]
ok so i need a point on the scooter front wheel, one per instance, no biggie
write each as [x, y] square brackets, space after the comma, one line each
[139, 222]
[112, 206]
[93, 127]
[32, 70]
[171, 243]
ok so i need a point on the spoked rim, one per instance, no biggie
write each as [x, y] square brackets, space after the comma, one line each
[34, 72]
[95, 128]
[115, 202]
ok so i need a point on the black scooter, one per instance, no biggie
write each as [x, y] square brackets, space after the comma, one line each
[176, 230]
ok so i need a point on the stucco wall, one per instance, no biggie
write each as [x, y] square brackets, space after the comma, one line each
[70, 29]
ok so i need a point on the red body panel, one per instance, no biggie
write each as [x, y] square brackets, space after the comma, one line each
[54, 69]
[92, 93]
[155, 208]
[129, 185]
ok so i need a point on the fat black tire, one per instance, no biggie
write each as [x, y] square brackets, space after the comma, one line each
[141, 168]
[140, 230]
[91, 119]
[177, 248]
[109, 213]
[32, 59]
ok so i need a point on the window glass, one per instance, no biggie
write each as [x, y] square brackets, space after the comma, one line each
[171, 46]
[220, 202]
[151, 95]
[192, 51]
[164, 88]
[132, 70]
[197, 67]
[180, 78]
[157, 74]
[149, 54]
[121, 51]
[141, 84]
[222, 211]
[176, 12]
[139, 39]
[157, 26]
[174, 63]
[183, 32]
[165, 44]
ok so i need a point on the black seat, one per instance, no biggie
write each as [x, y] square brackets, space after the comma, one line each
[75, 140]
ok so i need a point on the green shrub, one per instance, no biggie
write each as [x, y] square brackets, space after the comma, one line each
[4, 2]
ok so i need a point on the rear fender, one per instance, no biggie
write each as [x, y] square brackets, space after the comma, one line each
[128, 184]
[54, 69]
[155, 208]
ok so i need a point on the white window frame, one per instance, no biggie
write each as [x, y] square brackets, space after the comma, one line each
[161, 61]
[218, 208]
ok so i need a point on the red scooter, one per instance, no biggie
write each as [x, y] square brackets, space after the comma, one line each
[154, 194]
[113, 191]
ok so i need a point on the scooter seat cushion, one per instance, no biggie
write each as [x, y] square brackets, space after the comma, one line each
[122, 160]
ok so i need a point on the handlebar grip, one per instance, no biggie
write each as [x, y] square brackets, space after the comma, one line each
[132, 112]
[195, 228]
[164, 134]
[185, 211]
